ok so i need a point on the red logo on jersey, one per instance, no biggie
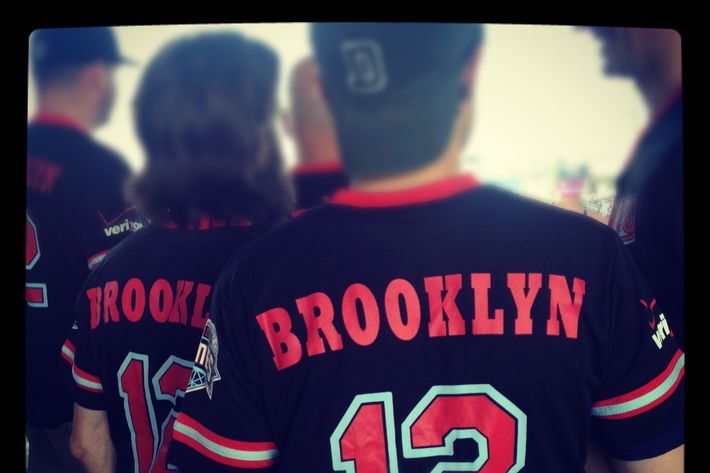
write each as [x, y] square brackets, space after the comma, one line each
[660, 330]
[623, 218]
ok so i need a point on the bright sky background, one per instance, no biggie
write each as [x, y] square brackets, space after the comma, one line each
[541, 99]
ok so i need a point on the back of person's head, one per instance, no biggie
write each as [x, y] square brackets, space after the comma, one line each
[204, 112]
[77, 63]
[641, 53]
[394, 90]
[309, 119]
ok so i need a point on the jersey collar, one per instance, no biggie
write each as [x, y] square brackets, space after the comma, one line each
[324, 167]
[58, 120]
[434, 191]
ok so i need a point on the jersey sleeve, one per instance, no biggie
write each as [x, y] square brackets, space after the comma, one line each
[105, 217]
[86, 385]
[222, 424]
[638, 410]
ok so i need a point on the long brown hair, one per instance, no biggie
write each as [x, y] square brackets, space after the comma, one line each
[204, 113]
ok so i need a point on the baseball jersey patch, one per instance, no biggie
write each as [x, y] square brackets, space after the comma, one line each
[204, 371]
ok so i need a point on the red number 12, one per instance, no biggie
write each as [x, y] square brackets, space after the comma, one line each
[364, 440]
[35, 293]
[150, 449]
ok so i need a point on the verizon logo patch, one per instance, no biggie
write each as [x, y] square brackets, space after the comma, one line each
[125, 226]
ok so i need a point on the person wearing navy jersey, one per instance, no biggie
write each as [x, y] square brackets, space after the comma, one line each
[319, 172]
[75, 213]
[421, 321]
[648, 208]
[212, 182]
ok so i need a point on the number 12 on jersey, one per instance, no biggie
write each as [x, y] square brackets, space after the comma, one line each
[364, 439]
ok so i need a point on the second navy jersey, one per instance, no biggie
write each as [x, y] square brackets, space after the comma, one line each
[450, 327]
[76, 212]
[140, 316]
[648, 211]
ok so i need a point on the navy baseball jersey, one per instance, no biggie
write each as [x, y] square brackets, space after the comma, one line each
[648, 210]
[139, 320]
[75, 213]
[314, 183]
[450, 327]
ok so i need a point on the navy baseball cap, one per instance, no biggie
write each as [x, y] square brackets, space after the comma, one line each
[393, 89]
[61, 47]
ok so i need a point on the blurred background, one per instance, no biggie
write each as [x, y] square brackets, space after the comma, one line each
[548, 124]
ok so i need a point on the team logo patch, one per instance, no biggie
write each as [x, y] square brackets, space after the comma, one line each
[365, 66]
[204, 371]
[623, 218]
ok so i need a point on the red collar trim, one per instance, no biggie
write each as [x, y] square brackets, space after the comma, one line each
[62, 121]
[438, 190]
[207, 223]
[317, 168]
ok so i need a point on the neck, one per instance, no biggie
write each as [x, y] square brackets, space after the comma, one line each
[71, 109]
[317, 149]
[446, 166]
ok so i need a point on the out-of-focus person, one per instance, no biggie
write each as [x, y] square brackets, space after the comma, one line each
[213, 181]
[319, 171]
[75, 213]
[648, 208]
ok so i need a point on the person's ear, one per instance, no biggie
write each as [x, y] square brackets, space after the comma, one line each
[468, 74]
[96, 76]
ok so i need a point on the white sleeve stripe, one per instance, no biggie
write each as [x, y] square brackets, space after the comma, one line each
[231, 453]
[646, 399]
[85, 383]
[67, 351]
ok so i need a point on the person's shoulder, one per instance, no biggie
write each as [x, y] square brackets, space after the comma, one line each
[108, 161]
[127, 250]
[279, 245]
[528, 215]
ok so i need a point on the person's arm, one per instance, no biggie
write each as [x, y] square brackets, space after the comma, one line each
[91, 441]
[638, 406]
[669, 462]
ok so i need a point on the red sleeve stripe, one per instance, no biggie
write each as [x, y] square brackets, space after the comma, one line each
[647, 396]
[222, 450]
[96, 259]
[86, 381]
[68, 351]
